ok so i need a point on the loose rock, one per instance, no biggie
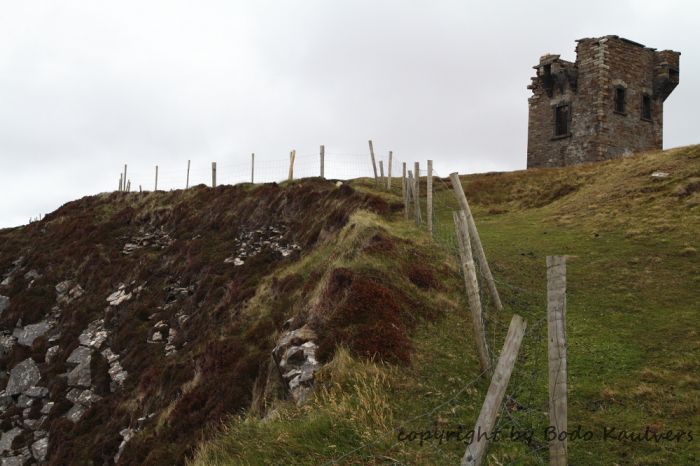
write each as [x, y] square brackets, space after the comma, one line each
[40, 448]
[80, 376]
[51, 353]
[7, 439]
[26, 336]
[23, 376]
[76, 412]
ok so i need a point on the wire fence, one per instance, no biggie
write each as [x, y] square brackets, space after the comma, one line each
[337, 166]
[524, 408]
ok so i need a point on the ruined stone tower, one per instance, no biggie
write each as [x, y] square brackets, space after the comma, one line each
[607, 104]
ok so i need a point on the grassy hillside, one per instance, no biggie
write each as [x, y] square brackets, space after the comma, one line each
[633, 308]
[191, 292]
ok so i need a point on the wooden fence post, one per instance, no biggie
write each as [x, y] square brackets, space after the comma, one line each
[476, 241]
[404, 192]
[323, 161]
[374, 163]
[292, 157]
[556, 332]
[416, 193]
[409, 190]
[472, 286]
[121, 188]
[128, 186]
[252, 167]
[125, 178]
[381, 173]
[499, 382]
[213, 174]
[156, 187]
[187, 185]
[140, 189]
[388, 180]
[429, 196]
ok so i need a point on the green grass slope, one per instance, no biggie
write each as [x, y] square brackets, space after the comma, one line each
[633, 304]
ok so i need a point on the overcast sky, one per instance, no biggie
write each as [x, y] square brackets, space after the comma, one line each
[86, 86]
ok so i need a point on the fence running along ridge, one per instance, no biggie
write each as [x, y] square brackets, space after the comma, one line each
[514, 398]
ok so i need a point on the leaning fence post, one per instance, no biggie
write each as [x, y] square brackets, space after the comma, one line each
[213, 174]
[499, 382]
[556, 332]
[388, 180]
[323, 156]
[429, 196]
[156, 186]
[252, 167]
[472, 286]
[416, 193]
[374, 163]
[187, 184]
[404, 192]
[292, 156]
[476, 241]
[381, 172]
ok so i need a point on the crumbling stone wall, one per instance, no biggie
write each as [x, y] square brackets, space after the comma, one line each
[574, 115]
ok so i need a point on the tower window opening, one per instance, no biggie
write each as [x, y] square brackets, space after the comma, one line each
[620, 99]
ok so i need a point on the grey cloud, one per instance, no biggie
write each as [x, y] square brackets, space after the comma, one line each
[86, 87]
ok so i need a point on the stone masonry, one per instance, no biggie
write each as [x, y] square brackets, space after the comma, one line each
[607, 104]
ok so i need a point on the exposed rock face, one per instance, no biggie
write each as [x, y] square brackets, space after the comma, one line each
[155, 239]
[67, 291]
[117, 373]
[94, 336]
[251, 243]
[119, 296]
[295, 356]
[91, 345]
[123, 294]
[22, 377]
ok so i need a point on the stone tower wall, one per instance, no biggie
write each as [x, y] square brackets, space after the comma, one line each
[596, 130]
